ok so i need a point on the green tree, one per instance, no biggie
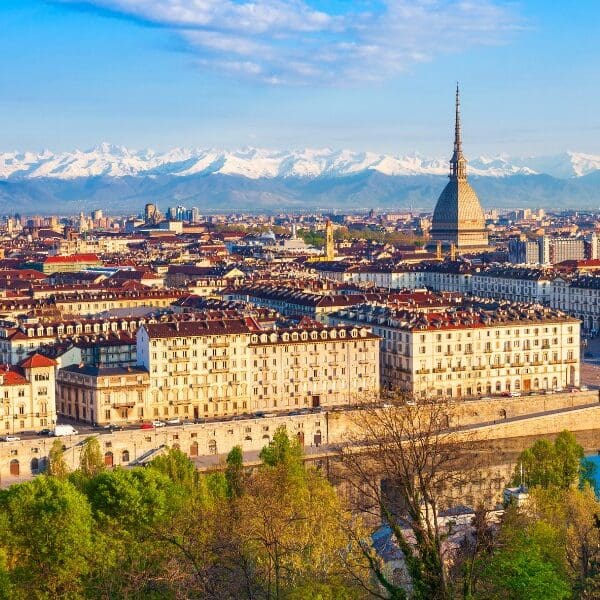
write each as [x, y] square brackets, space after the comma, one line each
[520, 571]
[134, 511]
[177, 467]
[523, 575]
[234, 472]
[47, 527]
[57, 467]
[559, 464]
[294, 533]
[282, 451]
[91, 461]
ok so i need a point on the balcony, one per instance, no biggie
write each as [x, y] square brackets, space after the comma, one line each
[439, 370]
[422, 372]
[218, 344]
[498, 366]
[124, 404]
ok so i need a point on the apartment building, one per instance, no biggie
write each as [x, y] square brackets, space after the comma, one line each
[486, 347]
[210, 368]
[580, 297]
[102, 395]
[27, 395]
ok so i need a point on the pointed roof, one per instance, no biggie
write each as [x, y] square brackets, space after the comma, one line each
[458, 217]
[37, 360]
[458, 163]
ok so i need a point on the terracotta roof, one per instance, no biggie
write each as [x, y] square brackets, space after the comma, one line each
[12, 376]
[72, 258]
[37, 360]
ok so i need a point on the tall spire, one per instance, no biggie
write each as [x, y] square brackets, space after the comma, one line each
[458, 163]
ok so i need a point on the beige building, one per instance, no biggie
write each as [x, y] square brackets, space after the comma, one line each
[102, 394]
[484, 349]
[198, 369]
[27, 395]
[211, 368]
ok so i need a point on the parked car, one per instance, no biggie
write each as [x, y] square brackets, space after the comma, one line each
[146, 426]
[515, 394]
[173, 421]
[157, 424]
[45, 432]
[10, 438]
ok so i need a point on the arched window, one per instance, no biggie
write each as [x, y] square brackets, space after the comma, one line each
[35, 465]
[212, 447]
[498, 386]
[125, 456]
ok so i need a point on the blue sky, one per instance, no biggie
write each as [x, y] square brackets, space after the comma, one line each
[365, 74]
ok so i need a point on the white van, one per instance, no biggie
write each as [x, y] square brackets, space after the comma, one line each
[64, 430]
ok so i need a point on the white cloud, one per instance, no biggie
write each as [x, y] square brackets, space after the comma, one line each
[289, 42]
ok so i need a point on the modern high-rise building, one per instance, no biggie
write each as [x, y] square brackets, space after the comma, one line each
[458, 219]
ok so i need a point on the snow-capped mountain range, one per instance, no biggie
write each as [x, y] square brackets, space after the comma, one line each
[112, 161]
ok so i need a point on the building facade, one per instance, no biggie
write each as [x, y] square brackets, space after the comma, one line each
[228, 367]
[482, 349]
[27, 395]
[204, 369]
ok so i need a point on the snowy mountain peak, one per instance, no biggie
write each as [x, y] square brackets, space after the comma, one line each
[109, 160]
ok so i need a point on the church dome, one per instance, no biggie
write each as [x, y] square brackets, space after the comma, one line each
[458, 207]
[458, 218]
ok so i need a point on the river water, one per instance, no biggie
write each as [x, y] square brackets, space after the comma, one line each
[595, 458]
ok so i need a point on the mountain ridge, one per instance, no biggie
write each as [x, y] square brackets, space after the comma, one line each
[122, 181]
[108, 160]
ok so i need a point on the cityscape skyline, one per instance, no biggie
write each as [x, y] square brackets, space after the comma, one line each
[127, 73]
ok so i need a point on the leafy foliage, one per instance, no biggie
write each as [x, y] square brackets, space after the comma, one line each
[560, 464]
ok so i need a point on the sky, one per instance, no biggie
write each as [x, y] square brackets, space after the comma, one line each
[366, 75]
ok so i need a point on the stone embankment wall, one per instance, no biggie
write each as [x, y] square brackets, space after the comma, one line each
[208, 442]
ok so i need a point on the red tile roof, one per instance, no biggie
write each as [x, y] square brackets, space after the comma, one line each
[12, 376]
[36, 361]
[72, 258]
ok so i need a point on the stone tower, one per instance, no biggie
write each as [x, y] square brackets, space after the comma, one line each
[329, 244]
[458, 218]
